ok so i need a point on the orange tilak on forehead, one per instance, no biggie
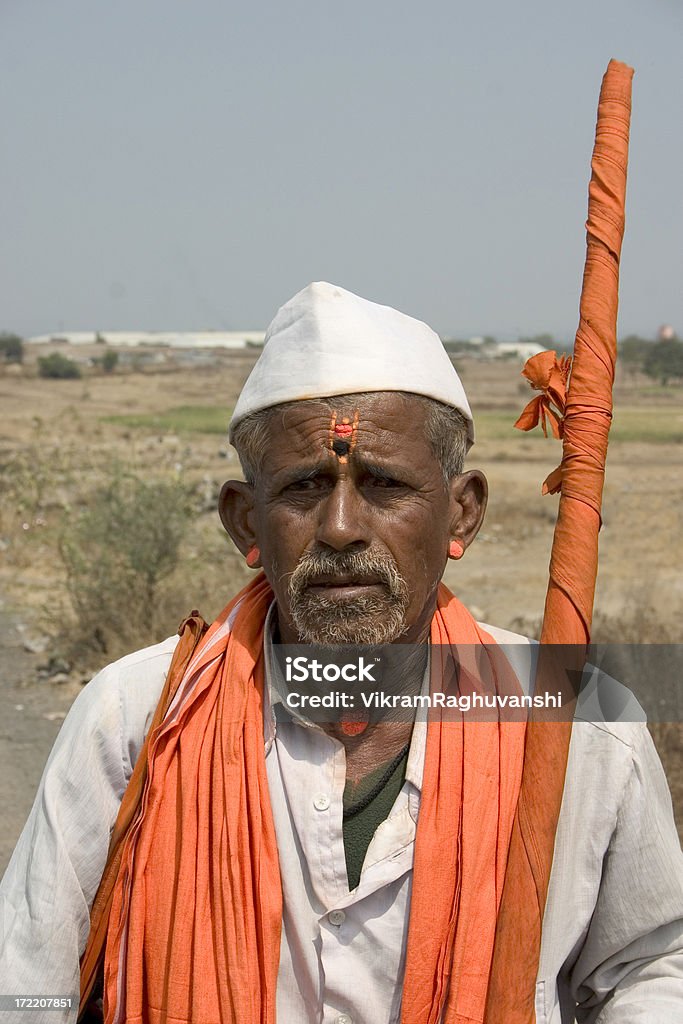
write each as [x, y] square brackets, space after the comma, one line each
[342, 436]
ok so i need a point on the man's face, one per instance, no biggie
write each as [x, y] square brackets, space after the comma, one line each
[353, 519]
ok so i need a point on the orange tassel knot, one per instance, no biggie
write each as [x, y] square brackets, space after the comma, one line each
[549, 375]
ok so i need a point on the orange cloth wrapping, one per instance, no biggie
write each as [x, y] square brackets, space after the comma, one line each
[197, 905]
[574, 560]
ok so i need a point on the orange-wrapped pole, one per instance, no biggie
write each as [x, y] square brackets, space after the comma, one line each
[584, 423]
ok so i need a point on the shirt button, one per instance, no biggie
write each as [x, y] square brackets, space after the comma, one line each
[321, 802]
[343, 1018]
[336, 917]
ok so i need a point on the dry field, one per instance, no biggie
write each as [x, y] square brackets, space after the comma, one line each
[61, 440]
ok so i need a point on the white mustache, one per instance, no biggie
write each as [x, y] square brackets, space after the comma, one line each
[315, 564]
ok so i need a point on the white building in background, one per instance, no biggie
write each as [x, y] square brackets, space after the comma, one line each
[164, 339]
[488, 348]
[480, 347]
[520, 349]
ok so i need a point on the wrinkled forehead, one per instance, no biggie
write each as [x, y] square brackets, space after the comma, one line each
[378, 424]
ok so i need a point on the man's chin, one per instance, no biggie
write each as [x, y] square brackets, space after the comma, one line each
[319, 620]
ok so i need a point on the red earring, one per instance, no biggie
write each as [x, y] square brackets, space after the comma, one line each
[456, 549]
[253, 557]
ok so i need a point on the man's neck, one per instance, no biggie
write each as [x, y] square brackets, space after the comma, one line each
[378, 744]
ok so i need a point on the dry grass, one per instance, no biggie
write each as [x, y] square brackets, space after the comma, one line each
[631, 423]
[60, 439]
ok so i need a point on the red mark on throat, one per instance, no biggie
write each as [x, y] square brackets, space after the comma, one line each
[350, 728]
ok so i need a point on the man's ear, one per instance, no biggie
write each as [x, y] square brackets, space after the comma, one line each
[236, 509]
[468, 494]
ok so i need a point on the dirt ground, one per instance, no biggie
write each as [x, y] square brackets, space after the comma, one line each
[502, 578]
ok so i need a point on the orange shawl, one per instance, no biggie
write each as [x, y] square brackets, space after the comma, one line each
[197, 905]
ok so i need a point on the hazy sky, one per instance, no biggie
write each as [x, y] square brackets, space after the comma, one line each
[180, 164]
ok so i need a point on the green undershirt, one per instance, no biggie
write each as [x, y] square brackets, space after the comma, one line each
[361, 820]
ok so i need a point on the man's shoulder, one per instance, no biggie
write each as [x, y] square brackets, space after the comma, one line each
[138, 676]
[121, 699]
[155, 658]
[613, 768]
[505, 636]
[605, 706]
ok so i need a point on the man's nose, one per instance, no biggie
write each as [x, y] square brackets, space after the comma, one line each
[342, 521]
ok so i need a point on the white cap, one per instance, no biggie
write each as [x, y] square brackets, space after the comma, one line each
[327, 341]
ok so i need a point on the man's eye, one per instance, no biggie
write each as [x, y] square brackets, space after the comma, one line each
[299, 486]
[387, 483]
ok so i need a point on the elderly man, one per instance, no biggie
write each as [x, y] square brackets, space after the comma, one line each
[348, 872]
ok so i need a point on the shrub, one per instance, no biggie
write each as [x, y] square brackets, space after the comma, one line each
[109, 361]
[11, 347]
[117, 553]
[58, 367]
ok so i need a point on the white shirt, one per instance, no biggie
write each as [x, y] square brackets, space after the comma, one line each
[613, 927]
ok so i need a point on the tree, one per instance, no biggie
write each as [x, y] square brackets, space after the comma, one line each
[11, 347]
[632, 351]
[664, 361]
[58, 367]
[631, 354]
